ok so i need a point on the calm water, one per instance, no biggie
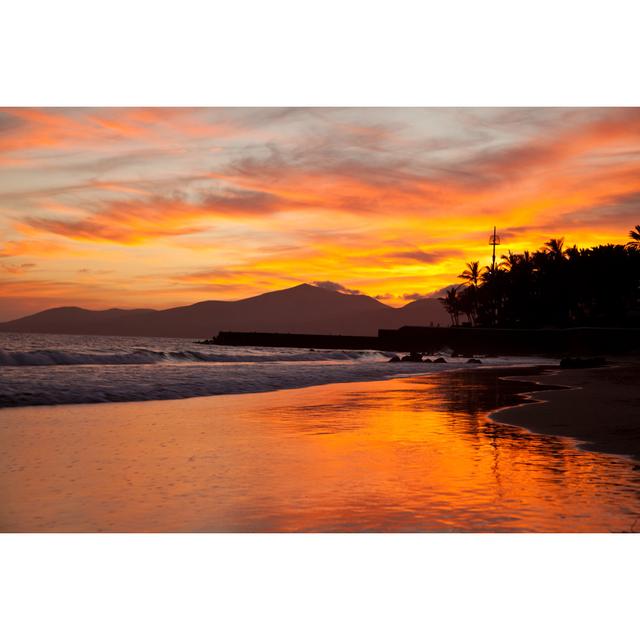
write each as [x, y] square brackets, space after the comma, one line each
[397, 455]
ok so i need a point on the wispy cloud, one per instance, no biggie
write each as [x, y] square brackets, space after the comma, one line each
[336, 286]
[17, 269]
[430, 257]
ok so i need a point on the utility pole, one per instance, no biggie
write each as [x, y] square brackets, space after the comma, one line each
[494, 240]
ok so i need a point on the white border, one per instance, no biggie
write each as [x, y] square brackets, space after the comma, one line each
[299, 53]
[306, 53]
[311, 586]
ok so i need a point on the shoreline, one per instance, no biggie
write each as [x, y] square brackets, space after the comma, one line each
[547, 411]
[597, 408]
[406, 454]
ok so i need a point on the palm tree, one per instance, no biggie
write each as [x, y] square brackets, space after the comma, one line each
[467, 303]
[492, 278]
[490, 274]
[510, 261]
[555, 248]
[634, 234]
[572, 252]
[471, 275]
[555, 286]
[452, 304]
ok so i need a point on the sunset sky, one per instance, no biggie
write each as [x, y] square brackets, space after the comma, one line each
[156, 207]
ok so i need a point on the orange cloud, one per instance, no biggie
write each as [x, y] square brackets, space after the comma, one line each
[31, 129]
[142, 220]
[37, 248]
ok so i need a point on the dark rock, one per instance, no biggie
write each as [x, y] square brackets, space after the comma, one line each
[427, 360]
[394, 359]
[440, 361]
[414, 356]
[582, 363]
[474, 361]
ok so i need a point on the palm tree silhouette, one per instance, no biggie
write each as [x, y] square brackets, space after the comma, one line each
[490, 274]
[452, 304]
[510, 261]
[556, 286]
[471, 275]
[555, 248]
[634, 234]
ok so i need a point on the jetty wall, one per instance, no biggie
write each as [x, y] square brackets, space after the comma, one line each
[463, 340]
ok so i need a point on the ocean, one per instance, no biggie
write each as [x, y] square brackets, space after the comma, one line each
[45, 369]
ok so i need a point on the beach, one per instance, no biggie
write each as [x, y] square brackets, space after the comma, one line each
[408, 454]
[600, 407]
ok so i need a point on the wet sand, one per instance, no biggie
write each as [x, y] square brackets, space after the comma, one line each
[601, 408]
[414, 454]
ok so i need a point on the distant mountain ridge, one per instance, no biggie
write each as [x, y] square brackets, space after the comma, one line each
[301, 309]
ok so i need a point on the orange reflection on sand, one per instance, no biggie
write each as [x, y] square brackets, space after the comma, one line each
[401, 455]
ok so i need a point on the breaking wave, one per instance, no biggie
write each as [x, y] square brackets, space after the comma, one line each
[55, 357]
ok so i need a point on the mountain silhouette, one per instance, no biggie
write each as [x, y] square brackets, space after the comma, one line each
[300, 309]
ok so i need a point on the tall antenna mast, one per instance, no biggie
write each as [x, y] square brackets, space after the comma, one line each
[494, 240]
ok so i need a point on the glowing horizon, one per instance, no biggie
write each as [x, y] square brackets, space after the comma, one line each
[158, 207]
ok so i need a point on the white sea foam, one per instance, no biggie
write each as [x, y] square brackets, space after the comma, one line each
[57, 357]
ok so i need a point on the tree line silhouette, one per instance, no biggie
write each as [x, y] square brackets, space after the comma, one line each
[554, 286]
